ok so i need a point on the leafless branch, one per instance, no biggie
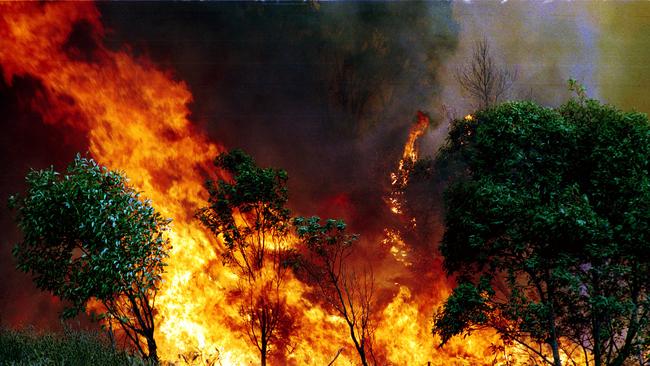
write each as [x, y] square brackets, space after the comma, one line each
[482, 79]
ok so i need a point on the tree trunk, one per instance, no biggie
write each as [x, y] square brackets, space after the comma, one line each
[596, 323]
[596, 333]
[553, 341]
[641, 358]
[362, 356]
[263, 350]
[556, 350]
[152, 348]
[358, 346]
[632, 330]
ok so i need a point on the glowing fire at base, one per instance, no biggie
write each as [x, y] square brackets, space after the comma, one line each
[136, 119]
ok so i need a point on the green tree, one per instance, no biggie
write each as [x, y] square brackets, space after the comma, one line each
[327, 263]
[547, 226]
[88, 235]
[248, 212]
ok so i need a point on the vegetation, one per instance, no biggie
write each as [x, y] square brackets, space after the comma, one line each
[327, 263]
[87, 235]
[483, 79]
[547, 230]
[72, 348]
[249, 213]
[547, 233]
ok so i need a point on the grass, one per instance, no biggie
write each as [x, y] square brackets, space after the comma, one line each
[69, 348]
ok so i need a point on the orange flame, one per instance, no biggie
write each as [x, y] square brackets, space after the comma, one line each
[416, 131]
[136, 119]
[399, 179]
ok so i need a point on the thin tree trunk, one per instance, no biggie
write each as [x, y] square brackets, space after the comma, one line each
[357, 345]
[111, 334]
[263, 351]
[338, 353]
[556, 349]
[632, 330]
[152, 348]
[597, 351]
[553, 341]
[595, 325]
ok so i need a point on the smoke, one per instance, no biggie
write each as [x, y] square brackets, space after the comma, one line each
[624, 50]
[326, 91]
[547, 42]
[26, 142]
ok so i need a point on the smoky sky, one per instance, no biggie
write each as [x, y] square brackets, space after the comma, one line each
[26, 142]
[324, 91]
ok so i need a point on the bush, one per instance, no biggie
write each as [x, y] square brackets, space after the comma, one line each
[69, 348]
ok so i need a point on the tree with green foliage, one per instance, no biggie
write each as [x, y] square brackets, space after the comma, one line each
[248, 213]
[88, 235]
[548, 230]
[326, 261]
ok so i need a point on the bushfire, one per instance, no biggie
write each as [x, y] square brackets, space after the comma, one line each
[136, 119]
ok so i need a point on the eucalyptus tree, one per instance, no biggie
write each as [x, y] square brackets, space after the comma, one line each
[88, 235]
[547, 218]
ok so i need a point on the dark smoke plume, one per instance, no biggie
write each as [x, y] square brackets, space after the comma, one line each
[325, 91]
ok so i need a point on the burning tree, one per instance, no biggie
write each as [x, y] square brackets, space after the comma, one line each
[87, 235]
[482, 79]
[327, 263]
[249, 214]
[547, 230]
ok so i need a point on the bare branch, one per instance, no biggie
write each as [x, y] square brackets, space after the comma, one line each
[482, 79]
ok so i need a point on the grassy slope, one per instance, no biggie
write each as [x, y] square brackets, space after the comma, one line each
[71, 348]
